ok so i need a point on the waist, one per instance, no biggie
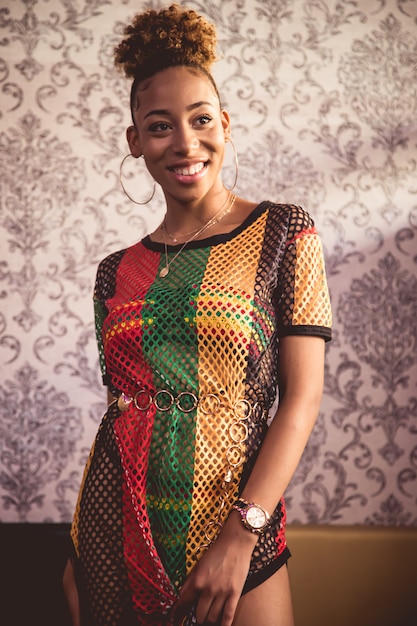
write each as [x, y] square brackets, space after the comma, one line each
[188, 401]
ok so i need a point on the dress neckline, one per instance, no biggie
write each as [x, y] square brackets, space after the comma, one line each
[212, 240]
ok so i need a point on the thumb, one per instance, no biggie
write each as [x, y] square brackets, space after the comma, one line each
[183, 605]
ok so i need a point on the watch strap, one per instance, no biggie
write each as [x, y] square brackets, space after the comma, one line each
[242, 506]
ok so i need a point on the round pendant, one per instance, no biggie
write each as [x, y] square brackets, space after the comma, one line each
[164, 272]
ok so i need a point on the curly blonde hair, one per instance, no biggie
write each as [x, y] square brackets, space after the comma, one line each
[170, 37]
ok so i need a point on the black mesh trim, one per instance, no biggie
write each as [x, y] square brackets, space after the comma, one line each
[312, 331]
[257, 578]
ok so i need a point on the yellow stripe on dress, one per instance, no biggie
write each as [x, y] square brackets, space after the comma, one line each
[224, 326]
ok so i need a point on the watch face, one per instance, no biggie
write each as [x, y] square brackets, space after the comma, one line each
[256, 517]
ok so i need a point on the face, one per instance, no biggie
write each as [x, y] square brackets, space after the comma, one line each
[181, 131]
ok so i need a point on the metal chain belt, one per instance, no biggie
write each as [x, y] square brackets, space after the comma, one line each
[187, 401]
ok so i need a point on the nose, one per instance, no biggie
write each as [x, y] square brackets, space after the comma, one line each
[185, 140]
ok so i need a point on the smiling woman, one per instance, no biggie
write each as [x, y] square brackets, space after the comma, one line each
[180, 517]
[181, 130]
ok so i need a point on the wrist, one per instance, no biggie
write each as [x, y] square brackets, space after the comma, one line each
[253, 516]
[234, 530]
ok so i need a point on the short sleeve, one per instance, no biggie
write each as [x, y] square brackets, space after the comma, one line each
[304, 306]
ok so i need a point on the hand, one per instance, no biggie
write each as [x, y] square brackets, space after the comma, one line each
[215, 584]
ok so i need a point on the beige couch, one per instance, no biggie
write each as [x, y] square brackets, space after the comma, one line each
[353, 575]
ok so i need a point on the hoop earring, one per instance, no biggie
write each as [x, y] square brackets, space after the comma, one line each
[123, 187]
[236, 165]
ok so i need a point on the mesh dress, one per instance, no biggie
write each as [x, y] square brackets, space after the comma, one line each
[193, 359]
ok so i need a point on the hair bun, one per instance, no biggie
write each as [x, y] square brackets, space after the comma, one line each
[159, 39]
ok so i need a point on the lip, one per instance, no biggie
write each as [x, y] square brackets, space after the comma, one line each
[189, 172]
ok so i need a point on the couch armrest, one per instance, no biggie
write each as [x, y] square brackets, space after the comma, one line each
[353, 575]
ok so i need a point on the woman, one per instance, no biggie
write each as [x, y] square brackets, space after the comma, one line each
[181, 518]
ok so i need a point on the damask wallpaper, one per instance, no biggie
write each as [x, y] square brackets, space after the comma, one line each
[323, 99]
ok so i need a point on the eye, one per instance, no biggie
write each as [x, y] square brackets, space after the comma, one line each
[202, 120]
[159, 127]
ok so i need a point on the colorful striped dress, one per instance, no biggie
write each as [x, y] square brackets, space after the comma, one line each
[193, 358]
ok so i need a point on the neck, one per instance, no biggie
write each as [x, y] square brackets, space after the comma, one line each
[183, 220]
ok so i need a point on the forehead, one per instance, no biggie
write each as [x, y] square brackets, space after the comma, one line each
[174, 88]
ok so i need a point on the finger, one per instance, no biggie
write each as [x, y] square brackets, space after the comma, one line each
[182, 606]
[178, 613]
[229, 610]
[214, 612]
[202, 609]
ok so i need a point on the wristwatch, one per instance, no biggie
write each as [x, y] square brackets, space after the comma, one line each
[254, 517]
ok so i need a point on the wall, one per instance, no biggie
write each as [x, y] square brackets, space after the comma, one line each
[323, 98]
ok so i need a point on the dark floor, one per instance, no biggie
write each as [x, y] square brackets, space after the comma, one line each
[32, 560]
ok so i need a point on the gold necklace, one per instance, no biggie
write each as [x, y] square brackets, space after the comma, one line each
[213, 220]
[172, 237]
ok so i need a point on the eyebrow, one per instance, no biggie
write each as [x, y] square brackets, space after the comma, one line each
[190, 107]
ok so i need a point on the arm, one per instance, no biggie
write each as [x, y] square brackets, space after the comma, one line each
[216, 583]
[301, 388]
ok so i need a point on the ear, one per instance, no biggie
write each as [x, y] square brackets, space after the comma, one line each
[133, 140]
[225, 119]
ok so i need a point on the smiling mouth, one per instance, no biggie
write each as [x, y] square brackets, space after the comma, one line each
[189, 171]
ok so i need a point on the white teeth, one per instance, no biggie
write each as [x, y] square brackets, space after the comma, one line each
[189, 171]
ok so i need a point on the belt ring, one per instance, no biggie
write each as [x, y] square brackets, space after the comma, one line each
[163, 392]
[232, 450]
[140, 393]
[238, 432]
[246, 409]
[206, 399]
[213, 525]
[182, 396]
